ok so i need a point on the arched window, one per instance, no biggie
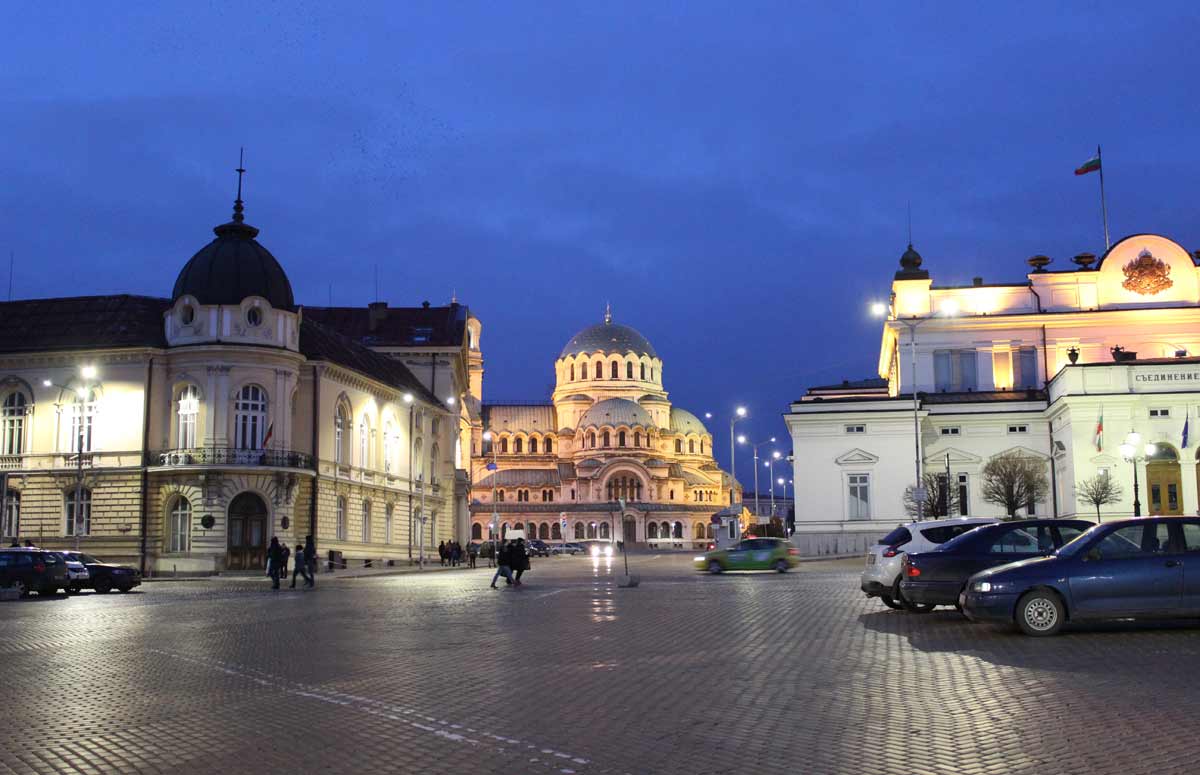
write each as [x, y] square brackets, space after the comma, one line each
[388, 515]
[180, 529]
[544, 531]
[341, 519]
[579, 531]
[678, 533]
[604, 531]
[530, 530]
[250, 417]
[366, 522]
[500, 495]
[14, 424]
[583, 371]
[664, 530]
[637, 438]
[533, 445]
[599, 369]
[692, 446]
[10, 525]
[606, 440]
[186, 411]
[679, 446]
[419, 459]
[572, 372]
[652, 530]
[701, 446]
[83, 412]
[435, 457]
[555, 532]
[629, 370]
[389, 446]
[340, 421]
[612, 372]
[708, 533]
[643, 372]
[620, 438]
[591, 530]
[547, 445]
[476, 531]
[364, 443]
[699, 531]
[504, 445]
[79, 519]
[591, 440]
[517, 445]
[651, 373]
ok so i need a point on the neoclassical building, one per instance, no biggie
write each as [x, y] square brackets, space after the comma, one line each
[608, 436]
[1060, 367]
[182, 433]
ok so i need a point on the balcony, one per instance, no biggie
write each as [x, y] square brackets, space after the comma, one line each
[228, 456]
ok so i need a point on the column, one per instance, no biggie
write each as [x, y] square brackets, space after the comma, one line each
[1188, 490]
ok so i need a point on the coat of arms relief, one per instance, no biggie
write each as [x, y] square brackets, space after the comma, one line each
[1147, 275]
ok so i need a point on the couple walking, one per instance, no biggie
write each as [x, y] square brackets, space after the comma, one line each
[305, 565]
[511, 558]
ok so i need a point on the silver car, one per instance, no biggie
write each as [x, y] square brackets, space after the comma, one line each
[881, 576]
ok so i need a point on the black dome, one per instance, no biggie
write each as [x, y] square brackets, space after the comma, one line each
[232, 267]
[608, 337]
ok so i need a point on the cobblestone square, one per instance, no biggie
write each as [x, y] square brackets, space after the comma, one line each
[570, 674]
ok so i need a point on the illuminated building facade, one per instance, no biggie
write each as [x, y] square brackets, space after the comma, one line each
[1034, 368]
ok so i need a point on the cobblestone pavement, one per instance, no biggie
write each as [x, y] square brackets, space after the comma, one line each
[570, 674]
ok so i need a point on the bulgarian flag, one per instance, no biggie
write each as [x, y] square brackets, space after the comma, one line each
[1099, 440]
[1091, 165]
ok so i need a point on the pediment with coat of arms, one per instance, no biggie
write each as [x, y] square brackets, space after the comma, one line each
[1147, 275]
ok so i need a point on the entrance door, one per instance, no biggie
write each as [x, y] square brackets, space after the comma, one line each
[247, 533]
[629, 532]
[1164, 483]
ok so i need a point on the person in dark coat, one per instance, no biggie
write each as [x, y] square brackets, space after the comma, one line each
[274, 561]
[519, 560]
[442, 552]
[502, 564]
[310, 559]
[301, 567]
[472, 554]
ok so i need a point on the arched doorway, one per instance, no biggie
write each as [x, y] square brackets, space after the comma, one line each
[629, 531]
[1164, 482]
[247, 533]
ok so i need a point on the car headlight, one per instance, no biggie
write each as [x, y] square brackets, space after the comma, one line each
[608, 551]
[987, 586]
[595, 551]
[698, 558]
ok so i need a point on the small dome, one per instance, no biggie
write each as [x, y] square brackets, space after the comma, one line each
[232, 267]
[683, 421]
[608, 337]
[616, 411]
[911, 260]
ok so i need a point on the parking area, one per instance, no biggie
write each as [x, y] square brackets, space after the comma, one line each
[687, 673]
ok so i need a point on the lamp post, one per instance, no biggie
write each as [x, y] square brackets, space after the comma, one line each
[949, 309]
[738, 414]
[1133, 452]
[495, 469]
[771, 467]
[83, 437]
[742, 440]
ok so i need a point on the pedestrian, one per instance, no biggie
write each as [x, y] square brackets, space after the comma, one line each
[519, 560]
[456, 554]
[274, 561]
[502, 567]
[310, 559]
[472, 553]
[287, 553]
[442, 552]
[300, 567]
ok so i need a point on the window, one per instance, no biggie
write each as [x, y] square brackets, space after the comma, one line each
[620, 438]
[637, 438]
[898, 537]
[366, 522]
[572, 372]
[517, 445]
[180, 532]
[250, 417]
[671, 495]
[477, 529]
[607, 440]
[83, 412]
[1159, 413]
[187, 411]
[1067, 533]
[940, 535]
[612, 372]
[418, 460]
[583, 371]
[79, 517]
[253, 317]
[950, 430]
[555, 531]
[859, 500]
[678, 446]
[11, 524]
[533, 446]
[14, 424]
[691, 446]
[652, 530]
[500, 495]
[187, 314]
[1024, 363]
[578, 531]
[547, 446]
[364, 443]
[389, 446]
[954, 370]
[422, 335]
[591, 440]
[628, 371]
[1018, 429]
[1191, 536]
[856, 429]
[1135, 541]
[1015, 541]
[339, 434]
[341, 519]
[388, 515]
[572, 493]
[643, 372]
[964, 495]
[504, 445]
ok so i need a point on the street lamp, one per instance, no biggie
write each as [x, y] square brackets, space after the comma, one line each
[771, 467]
[949, 308]
[495, 469]
[738, 414]
[742, 440]
[1134, 453]
[83, 437]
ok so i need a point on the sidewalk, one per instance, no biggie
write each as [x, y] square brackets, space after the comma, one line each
[347, 573]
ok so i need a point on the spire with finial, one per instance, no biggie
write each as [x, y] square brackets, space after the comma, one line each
[454, 296]
[237, 203]
[607, 313]
[238, 228]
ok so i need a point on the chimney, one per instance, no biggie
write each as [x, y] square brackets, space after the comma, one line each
[376, 312]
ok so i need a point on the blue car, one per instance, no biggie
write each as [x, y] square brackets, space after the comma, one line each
[1144, 567]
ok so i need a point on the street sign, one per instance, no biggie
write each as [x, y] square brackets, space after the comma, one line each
[920, 494]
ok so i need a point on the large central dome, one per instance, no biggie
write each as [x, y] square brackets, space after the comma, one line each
[608, 337]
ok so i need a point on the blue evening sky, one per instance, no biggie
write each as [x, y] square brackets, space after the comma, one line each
[733, 177]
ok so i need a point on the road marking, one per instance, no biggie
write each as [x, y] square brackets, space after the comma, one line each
[548, 594]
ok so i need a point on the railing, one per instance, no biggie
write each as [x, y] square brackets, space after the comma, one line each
[227, 456]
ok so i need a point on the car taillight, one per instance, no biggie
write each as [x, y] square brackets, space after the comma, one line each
[39, 567]
[793, 551]
[892, 551]
[912, 571]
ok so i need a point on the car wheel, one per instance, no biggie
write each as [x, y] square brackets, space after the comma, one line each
[911, 607]
[1040, 613]
[714, 567]
[124, 589]
[19, 585]
[890, 603]
[781, 566]
[103, 585]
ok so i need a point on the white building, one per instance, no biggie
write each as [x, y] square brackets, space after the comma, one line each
[1029, 368]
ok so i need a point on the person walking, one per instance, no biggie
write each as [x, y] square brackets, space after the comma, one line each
[274, 561]
[442, 552]
[300, 567]
[502, 566]
[520, 560]
[310, 559]
[456, 555]
[287, 553]
[472, 553]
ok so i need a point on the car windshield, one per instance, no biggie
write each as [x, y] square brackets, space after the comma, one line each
[942, 534]
[897, 537]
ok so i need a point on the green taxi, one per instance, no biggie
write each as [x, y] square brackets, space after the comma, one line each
[751, 554]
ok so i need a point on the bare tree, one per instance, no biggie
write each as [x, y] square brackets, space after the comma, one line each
[1100, 490]
[934, 505]
[1013, 480]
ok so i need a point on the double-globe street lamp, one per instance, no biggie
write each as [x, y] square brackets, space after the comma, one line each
[770, 464]
[495, 469]
[1133, 452]
[738, 414]
[82, 438]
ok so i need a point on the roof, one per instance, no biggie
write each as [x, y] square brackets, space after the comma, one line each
[969, 397]
[318, 343]
[527, 418]
[378, 325]
[690, 477]
[232, 267]
[608, 337]
[870, 383]
[82, 323]
[518, 477]
[616, 411]
[683, 421]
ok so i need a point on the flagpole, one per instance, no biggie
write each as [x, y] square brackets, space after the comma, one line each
[1103, 203]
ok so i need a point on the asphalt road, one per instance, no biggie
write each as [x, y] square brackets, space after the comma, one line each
[687, 673]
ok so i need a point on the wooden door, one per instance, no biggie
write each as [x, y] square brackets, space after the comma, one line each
[1164, 486]
[247, 533]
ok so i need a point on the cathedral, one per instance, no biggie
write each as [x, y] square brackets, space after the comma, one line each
[607, 457]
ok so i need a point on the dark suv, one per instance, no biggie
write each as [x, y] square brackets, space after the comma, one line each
[33, 570]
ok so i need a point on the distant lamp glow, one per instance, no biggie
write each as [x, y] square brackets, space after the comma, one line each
[47, 383]
[1133, 439]
[81, 392]
[779, 481]
[708, 415]
[775, 454]
[949, 307]
[88, 372]
[408, 398]
[450, 401]
[1150, 450]
[487, 435]
[1128, 450]
[766, 464]
[741, 411]
[878, 309]
[741, 439]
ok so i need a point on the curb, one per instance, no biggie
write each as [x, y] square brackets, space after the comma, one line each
[328, 575]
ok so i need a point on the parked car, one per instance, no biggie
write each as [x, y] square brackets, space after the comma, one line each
[482, 548]
[537, 548]
[929, 579]
[881, 576]
[33, 570]
[776, 554]
[106, 576]
[77, 573]
[568, 548]
[1146, 567]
